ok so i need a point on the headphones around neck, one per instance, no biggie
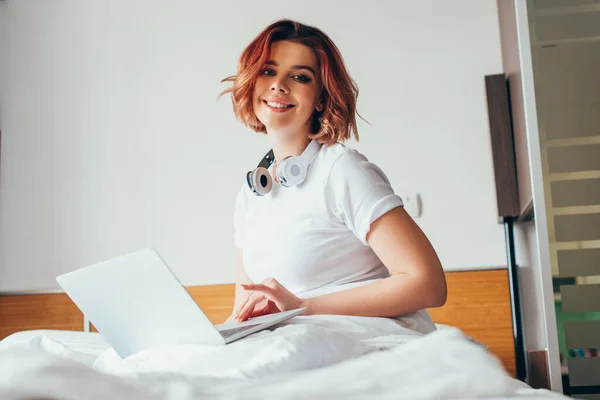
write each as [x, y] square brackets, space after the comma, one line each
[291, 171]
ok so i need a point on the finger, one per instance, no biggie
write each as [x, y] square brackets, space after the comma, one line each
[271, 283]
[241, 306]
[270, 286]
[268, 291]
[268, 308]
[258, 312]
[250, 286]
[247, 312]
[262, 302]
[250, 302]
[249, 307]
[280, 296]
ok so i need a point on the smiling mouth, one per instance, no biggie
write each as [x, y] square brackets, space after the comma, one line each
[278, 106]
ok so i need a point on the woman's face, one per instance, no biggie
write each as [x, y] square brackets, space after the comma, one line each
[287, 89]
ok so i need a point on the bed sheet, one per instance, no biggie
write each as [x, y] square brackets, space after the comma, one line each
[311, 357]
[91, 343]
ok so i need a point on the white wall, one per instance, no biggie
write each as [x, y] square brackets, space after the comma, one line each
[114, 139]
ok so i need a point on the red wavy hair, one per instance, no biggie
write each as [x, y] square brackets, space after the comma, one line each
[339, 92]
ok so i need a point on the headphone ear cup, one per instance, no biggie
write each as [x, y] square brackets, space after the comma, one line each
[260, 181]
[291, 172]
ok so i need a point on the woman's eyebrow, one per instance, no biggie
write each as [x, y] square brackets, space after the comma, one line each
[271, 62]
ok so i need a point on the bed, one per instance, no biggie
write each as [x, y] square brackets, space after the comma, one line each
[46, 352]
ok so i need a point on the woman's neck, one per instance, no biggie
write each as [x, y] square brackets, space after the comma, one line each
[287, 145]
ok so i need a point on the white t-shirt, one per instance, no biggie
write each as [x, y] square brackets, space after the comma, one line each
[312, 237]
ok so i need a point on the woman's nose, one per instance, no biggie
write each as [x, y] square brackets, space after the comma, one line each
[278, 86]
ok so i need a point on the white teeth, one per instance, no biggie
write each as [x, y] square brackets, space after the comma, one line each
[277, 105]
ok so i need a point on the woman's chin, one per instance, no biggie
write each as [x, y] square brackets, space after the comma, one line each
[279, 127]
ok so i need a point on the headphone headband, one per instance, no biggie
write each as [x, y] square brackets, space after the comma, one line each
[267, 160]
[291, 171]
[309, 154]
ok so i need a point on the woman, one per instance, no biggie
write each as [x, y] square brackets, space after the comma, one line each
[336, 239]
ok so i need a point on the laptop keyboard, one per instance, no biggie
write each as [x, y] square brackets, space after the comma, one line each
[228, 332]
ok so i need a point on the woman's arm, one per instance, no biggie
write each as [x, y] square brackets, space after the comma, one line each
[417, 280]
[240, 278]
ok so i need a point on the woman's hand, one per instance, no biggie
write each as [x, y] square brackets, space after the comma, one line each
[266, 298]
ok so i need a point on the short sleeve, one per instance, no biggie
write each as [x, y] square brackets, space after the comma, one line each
[239, 217]
[359, 193]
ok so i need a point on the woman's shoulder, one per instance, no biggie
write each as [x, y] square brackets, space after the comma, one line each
[339, 155]
[345, 161]
[349, 166]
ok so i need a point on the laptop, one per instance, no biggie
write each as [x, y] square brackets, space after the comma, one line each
[137, 303]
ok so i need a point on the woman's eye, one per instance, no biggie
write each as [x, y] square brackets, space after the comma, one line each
[267, 71]
[302, 78]
[299, 78]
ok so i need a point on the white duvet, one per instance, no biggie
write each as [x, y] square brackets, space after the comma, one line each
[309, 357]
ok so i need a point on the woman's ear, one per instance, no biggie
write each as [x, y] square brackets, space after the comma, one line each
[320, 106]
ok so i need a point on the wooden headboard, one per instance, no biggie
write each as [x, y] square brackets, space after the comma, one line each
[478, 303]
